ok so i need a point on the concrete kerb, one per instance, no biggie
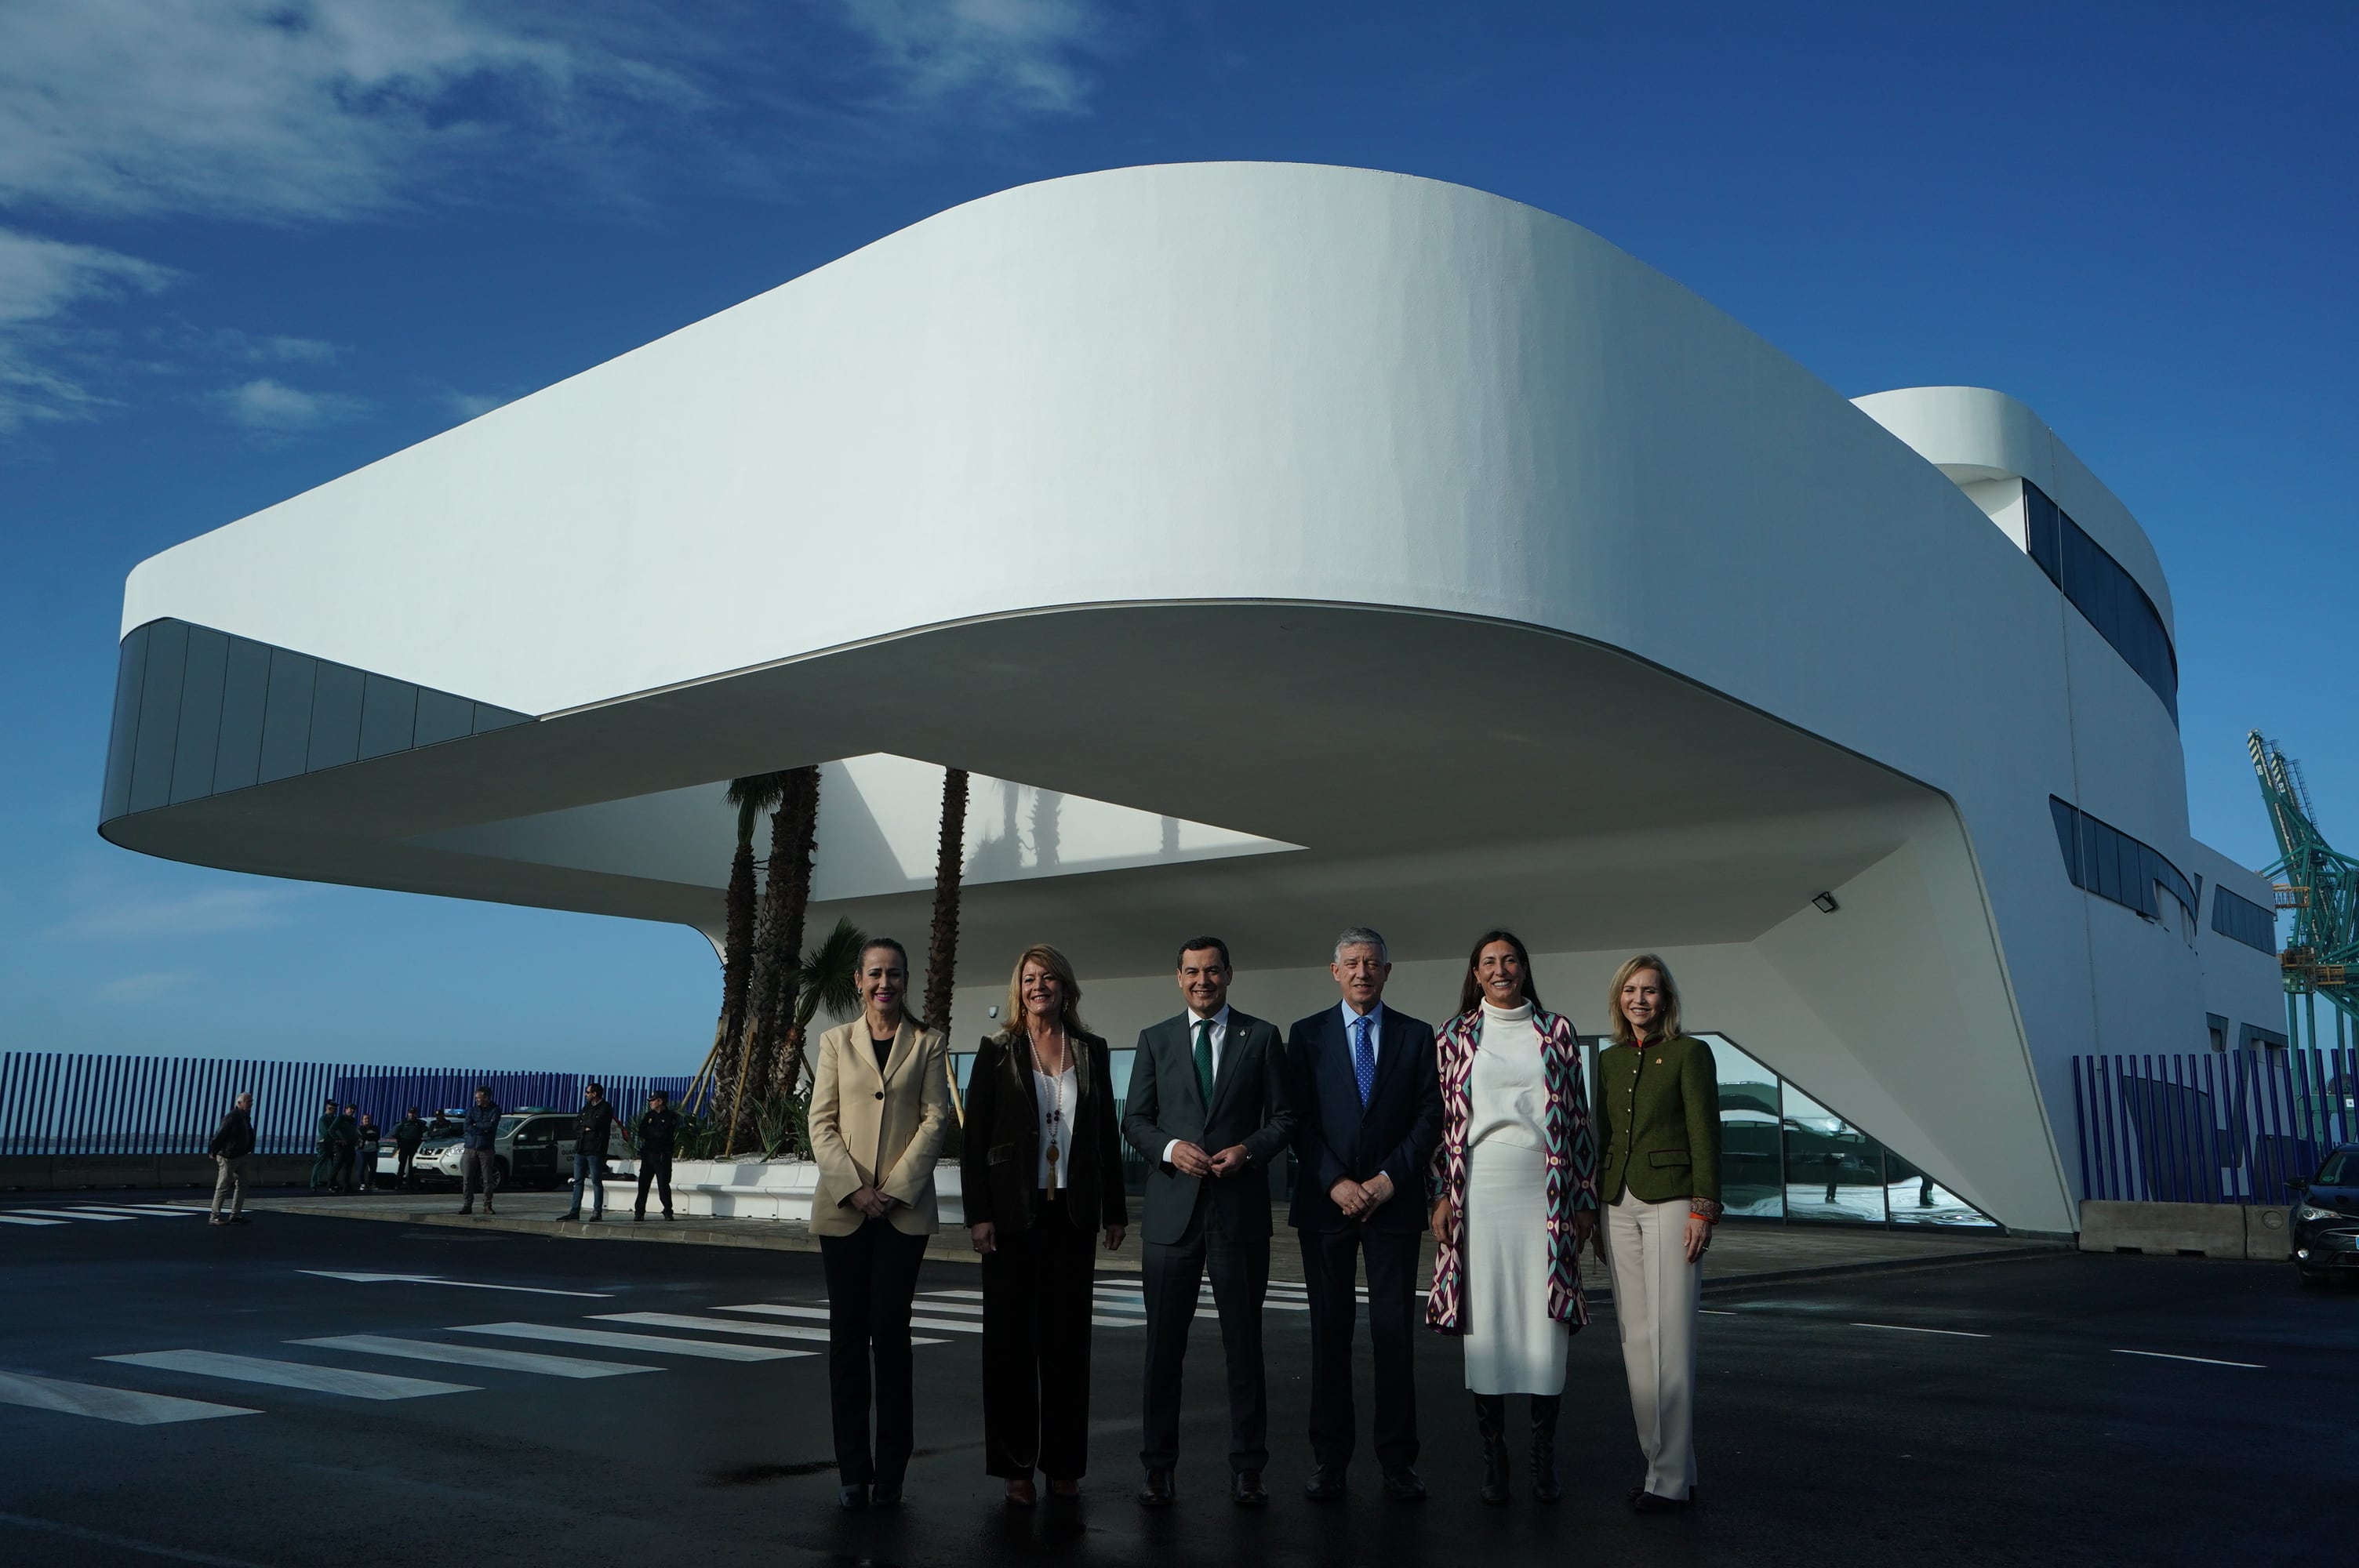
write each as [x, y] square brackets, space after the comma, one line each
[2258, 1231]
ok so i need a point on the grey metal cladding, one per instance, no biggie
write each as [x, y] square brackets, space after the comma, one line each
[201, 712]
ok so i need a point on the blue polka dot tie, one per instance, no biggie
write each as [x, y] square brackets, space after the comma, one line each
[1364, 1060]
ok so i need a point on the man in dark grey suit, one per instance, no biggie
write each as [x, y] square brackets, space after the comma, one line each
[1207, 1109]
[1368, 1099]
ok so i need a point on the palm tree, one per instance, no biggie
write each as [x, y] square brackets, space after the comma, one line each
[786, 898]
[829, 976]
[941, 947]
[752, 796]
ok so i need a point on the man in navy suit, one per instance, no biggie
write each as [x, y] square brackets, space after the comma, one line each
[1367, 1100]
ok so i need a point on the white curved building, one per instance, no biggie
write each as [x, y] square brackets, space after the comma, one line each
[1310, 547]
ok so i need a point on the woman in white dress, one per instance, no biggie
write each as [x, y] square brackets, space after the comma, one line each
[1514, 1190]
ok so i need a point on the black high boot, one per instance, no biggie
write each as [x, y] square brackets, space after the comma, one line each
[1491, 1421]
[1545, 1486]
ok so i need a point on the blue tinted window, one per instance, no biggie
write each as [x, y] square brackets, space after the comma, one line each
[441, 717]
[201, 704]
[123, 736]
[2041, 536]
[335, 718]
[287, 720]
[490, 717]
[2104, 860]
[246, 693]
[2242, 920]
[388, 717]
[2104, 593]
[160, 716]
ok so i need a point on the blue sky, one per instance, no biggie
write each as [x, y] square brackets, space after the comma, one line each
[246, 247]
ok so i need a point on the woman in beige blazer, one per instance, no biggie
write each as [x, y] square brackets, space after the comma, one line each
[880, 1110]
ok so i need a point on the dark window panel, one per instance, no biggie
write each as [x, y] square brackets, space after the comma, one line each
[287, 721]
[123, 735]
[2068, 838]
[388, 717]
[2041, 534]
[2242, 920]
[160, 716]
[246, 695]
[488, 718]
[200, 706]
[335, 718]
[441, 717]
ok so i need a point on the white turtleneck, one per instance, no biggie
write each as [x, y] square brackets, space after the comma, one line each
[1507, 1093]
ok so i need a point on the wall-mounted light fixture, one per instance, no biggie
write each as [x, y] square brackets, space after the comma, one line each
[1826, 903]
[991, 1012]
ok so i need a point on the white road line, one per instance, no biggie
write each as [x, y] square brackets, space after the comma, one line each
[1716, 1312]
[2201, 1360]
[1118, 1322]
[475, 1355]
[1907, 1328]
[27, 1219]
[159, 1208]
[342, 1380]
[462, 1284]
[931, 1304]
[646, 1343]
[960, 1295]
[135, 1211]
[727, 1326]
[68, 1214]
[775, 1309]
[128, 1406]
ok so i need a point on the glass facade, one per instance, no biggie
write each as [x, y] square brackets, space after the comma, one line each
[2108, 862]
[198, 712]
[2104, 593]
[2242, 920]
[1785, 1157]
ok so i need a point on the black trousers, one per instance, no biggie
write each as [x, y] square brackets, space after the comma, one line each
[1239, 1268]
[1036, 1347]
[657, 1168]
[871, 1276]
[404, 1155]
[1330, 1280]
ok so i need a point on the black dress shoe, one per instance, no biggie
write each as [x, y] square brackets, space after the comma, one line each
[1643, 1501]
[1402, 1484]
[1155, 1492]
[1245, 1489]
[853, 1499]
[1326, 1484]
[880, 1495]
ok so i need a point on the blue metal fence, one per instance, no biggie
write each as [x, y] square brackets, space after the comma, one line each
[2214, 1127]
[57, 1103]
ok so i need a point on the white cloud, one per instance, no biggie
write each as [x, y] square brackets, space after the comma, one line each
[272, 408]
[41, 280]
[203, 913]
[467, 404]
[1024, 54]
[131, 990]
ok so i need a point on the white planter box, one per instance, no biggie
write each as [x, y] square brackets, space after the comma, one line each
[769, 1189]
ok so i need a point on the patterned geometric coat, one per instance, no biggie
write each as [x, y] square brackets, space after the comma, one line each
[1571, 1163]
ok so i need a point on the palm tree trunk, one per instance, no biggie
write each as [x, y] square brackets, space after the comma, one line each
[941, 944]
[773, 969]
[736, 966]
[803, 799]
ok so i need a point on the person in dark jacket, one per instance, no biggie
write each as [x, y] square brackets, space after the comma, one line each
[1041, 1172]
[229, 1149]
[442, 1126]
[407, 1134]
[368, 1141]
[659, 1135]
[479, 1163]
[1368, 1103]
[594, 1129]
[324, 1147]
[348, 1143]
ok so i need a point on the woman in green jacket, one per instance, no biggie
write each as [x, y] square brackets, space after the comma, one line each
[1658, 1118]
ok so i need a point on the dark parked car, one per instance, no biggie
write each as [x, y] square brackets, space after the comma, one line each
[2326, 1219]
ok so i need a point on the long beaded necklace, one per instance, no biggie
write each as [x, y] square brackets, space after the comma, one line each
[1054, 1087]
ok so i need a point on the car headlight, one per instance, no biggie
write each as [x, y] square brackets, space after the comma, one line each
[2311, 1211]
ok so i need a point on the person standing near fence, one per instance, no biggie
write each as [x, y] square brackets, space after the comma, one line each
[232, 1143]
[593, 1130]
[407, 1134]
[323, 1149]
[659, 1135]
[348, 1143]
[366, 1144]
[479, 1163]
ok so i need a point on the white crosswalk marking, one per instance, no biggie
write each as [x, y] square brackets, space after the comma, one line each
[71, 1214]
[340, 1380]
[475, 1355]
[775, 1309]
[646, 1343]
[157, 1208]
[128, 1406]
[27, 1219]
[727, 1326]
[956, 1295]
[933, 1304]
[135, 1211]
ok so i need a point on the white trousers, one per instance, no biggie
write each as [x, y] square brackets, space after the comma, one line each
[1655, 1294]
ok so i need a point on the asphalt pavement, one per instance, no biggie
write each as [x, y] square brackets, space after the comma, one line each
[308, 1390]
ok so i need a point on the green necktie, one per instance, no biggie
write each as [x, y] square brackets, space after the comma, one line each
[1204, 1062]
